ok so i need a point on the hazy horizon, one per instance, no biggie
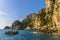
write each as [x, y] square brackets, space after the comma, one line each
[11, 10]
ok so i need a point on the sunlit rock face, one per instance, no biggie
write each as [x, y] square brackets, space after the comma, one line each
[56, 13]
[15, 24]
[53, 6]
[36, 22]
[49, 5]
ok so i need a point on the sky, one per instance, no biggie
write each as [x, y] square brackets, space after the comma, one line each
[11, 10]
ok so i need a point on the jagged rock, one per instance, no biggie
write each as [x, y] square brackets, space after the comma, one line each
[31, 15]
[15, 24]
[11, 32]
[7, 27]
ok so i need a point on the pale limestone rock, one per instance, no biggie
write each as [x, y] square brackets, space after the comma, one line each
[36, 23]
[54, 7]
[49, 5]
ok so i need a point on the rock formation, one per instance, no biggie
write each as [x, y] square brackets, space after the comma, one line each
[56, 14]
[15, 24]
[7, 27]
[53, 7]
[49, 5]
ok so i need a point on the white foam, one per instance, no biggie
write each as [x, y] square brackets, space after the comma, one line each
[35, 32]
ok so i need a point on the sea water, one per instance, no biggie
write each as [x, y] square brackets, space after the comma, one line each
[27, 35]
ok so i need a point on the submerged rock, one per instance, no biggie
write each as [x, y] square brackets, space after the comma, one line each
[11, 32]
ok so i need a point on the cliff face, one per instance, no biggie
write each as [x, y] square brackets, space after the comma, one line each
[56, 14]
[47, 18]
[34, 22]
[49, 5]
[15, 24]
[53, 6]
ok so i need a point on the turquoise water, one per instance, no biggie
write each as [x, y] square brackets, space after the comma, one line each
[27, 35]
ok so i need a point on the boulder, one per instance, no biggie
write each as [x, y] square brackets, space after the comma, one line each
[11, 32]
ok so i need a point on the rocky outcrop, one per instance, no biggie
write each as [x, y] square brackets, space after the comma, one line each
[11, 33]
[29, 21]
[24, 24]
[15, 24]
[31, 15]
[7, 27]
[35, 22]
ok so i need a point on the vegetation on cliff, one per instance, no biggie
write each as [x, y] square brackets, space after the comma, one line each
[44, 20]
[41, 21]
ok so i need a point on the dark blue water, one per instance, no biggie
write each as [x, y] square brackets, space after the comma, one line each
[27, 35]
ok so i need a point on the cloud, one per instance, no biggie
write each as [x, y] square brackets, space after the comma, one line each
[3, 13]
[21, 19]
